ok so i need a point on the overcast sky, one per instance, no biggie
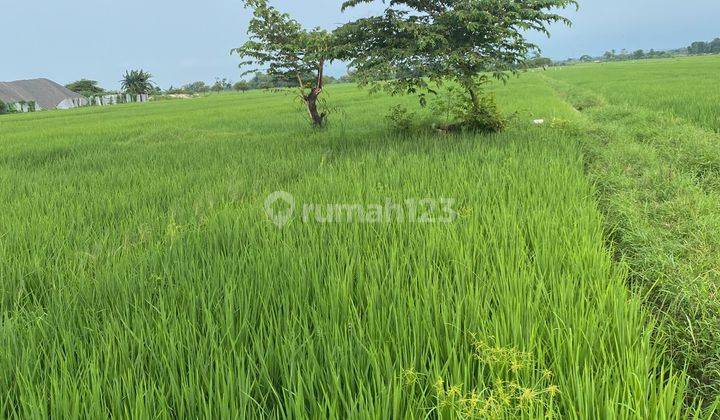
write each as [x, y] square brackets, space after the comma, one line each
[180, 41]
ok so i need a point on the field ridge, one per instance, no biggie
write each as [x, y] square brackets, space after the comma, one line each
[657, 175]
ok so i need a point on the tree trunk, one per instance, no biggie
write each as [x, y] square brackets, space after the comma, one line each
[311, 101]
[474, 97]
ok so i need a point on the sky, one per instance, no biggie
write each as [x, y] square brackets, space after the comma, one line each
[181, 41]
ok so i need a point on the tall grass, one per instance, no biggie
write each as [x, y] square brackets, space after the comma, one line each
[140, 277]
[657, 175]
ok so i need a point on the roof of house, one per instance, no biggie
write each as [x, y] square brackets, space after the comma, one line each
[46, 93]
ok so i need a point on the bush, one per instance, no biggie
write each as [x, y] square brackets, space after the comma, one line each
[459, 112]
[8, 108]
[241, 86]
[400, 119]
[485, 118]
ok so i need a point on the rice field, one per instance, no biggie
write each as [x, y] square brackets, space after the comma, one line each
[142, 277]
[652, 150]
[686, 87]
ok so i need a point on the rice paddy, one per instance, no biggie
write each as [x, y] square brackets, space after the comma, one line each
[685, 87]
[141, 277]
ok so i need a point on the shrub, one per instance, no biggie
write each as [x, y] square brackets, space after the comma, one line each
[241, 86]
[461, 112]
[86, 88]
[485, 118]
[400, 119]
[3, 108]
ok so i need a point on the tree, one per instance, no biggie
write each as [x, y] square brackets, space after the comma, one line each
[241, 86]
[714, 46]
[86, 87]
[221, 85]
[262, 81]
[586, 58]
[539, 61]
[422, 43]
[197, 87]
[349, 77]
[137, 82]
[172, 90]
[288, 52]
[698, 48]
[638, 55]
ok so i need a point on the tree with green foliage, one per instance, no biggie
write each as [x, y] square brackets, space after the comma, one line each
[241, 86]
[428, 42]
[697, 48]
[714, 46]
[137, 82]
[261, 81]
[172, 90]
[196, 87]
[349, 77]
[221, 85]
[287, 51]
[701, 47]
[86, 87]
[539, 61]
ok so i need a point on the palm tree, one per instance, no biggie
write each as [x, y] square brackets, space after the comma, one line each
[137, 82]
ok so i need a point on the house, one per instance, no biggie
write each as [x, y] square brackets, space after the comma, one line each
[43, 93]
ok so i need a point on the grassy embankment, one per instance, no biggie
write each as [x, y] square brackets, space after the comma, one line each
[652, 152]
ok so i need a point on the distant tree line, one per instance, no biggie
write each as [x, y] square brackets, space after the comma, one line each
[539, 62]
[140, 82]
[696, 48]
[265, 81]
[135, 82]
[624, 55]
[259, 80]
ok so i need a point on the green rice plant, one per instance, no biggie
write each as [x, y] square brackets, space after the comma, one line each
[140, 277]
[686, 87]
[657, 176]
